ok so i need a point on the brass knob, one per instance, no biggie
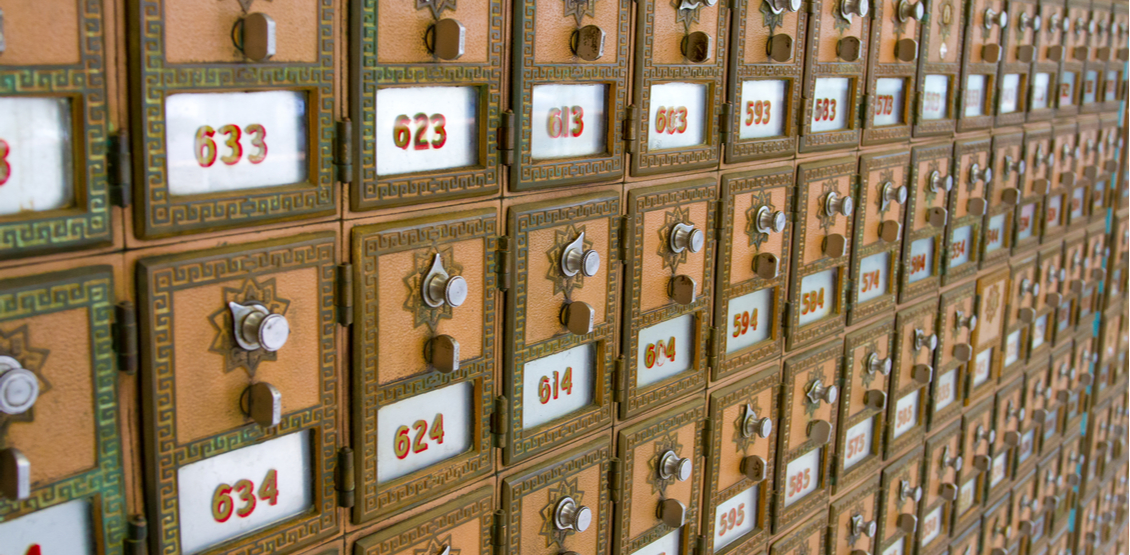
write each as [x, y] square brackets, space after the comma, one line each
[875, 364]
[849, 8]
[819, 392]
[752, 425]
[1004, 531]
[686, 237]
[937, 217]
[906, 50]
[981, 434]
[766, 265]
[977, 206]
[263, 403]
[924, 340]
[915, 11]
[908, 523]
[442, 352]
[588, 43]
[671, 512]
[1014, 165]
[673, 466]
[768, 221]
[938, 183]
[441, 288]
[1066, 372]
[890, 231]
[992, 17]
[848, 49]
[922, 373]
[697, 47]
[574, 259]
[963, 352]
[448, 39]
[255, 327]
[19, 388]
[960, 320]
[908, 491]
[257, 36]
[875, 399]
[863, 527]
[836, 204]
[779, 47]
[892, 193]
[1026, 314]
[1029, 287]
[577, 317]
[778, 6]
[982, 463]
[15, 474]
[570, 516]
[754, 468]
[1030, 504]
[977, 174]
[820, 432]
[1045, 158]
[681, 289]
[835, 245]
[1025, 20]
[948, 492]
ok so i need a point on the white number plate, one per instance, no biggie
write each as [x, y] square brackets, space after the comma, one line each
[671, 544]
[981, 367]
[818, 294]
[1039, 330]
[858, 442]
[1090, 86]
[803, 476]
[426, 128]
[1066, 88]
[935, 97]
[921, 260]
[677, 115]
[961, 245]
[1077, 202]
[965, 496]
[974, 95]
[998, 469]
[1010, 93]
[889, 95]
[1041, 90]
[1055, 207]
[748, 319]
[36, 166]
[931, 526]
[874, 272]
[1110, 87]
[906, 413]
[994, 233]
[896, 548]
[665, 349]
[763, 109]
[945, 390]
[579, 362]
[1012, 348]
[579, 132]
[831, 104]
[420, 431]
[232, 494]
[233, 141]
[64, 528]
[1050, 430]
[1025, 221]
[1027, 441]
[736, 517]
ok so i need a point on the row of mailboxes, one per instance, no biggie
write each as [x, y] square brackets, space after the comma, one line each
[254, 113]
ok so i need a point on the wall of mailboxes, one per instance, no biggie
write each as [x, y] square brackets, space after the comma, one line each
[563, 276]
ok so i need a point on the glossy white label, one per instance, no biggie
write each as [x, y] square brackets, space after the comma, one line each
[234, 141]
[1027, 441]
[994, 233]
[921, 263]
[763, 109]
[1090, 86]
[974, 95]
[931, 526]
[874, 274]
[253, 487]
[671, 544]
[420, 431]
[889, 98]
[1041, 90]
[568, 121]
[665, 349]
[1063, 316]
[677, 115]
[998, 469]
[63, 529]
[1077, 202]
[935, 96]
[1039, 330]
[831, 104]
[961, 245]
[906, 413]
[981, 366]
[572, 372]
[1066, 88]
[802, 476]
[426, 128]
[897, 548]
[1110, 86]
[818, 293]
[736, 517]
[945, 390]
[965, 496]
[1025, 222]
[1054, 212]
[1010, 93]
[1051, 430]
[747, 318]
[858, 442]
[1012, 348]
[36, 165]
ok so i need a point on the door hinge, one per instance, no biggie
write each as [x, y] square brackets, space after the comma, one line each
[615, 475]
[506, 138]
[714, 347]
[864, 105]
[917, 111]
[137, 536]
[125, 337]
[343, 151]
[120, 168]
[499, 421]
[344, 479]
[707, 433]
[719, 215]
[618, 389]
[786, 316]
[343, 294]
[849, 287]
[625, 231]
[631, 128]
[724, 122]
[498, 533]
[502, 262]
[976, 303]
[700, 545]
[810, 6]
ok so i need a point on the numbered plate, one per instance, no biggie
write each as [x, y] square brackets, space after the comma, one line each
[868, 354]
[850, 516]
[927, 214]
[1019, 41]
[983, 49]
[892, 68]
[1008, 422]
[1063, 178]
[460, 526]
[1039, 159]
[1022, 294]
[880, 220]
[836, 56]
[939, 489]
[911, 376]
[976, 450]
[901, 495]
[968, 203]
[1050, 50]
[1003, 193]
[955, 349]
[805, 539]
[939, 69]
[1039, 437]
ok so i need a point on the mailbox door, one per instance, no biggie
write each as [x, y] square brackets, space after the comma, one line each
[939, 69]
[1063, 178]
[976, 450]
[956, 324]
[850, 518]
[1108, 376]
[462, 526]
[1018, 40]
[911, 376]
[940, 489]
[1071, 463]
[868, 361]
[1071, 68]
[892, 70]
[1067, 395]
[1009, 417]
[1003, 195]
[1036, 181]
[983, 51]
[967, 542]
[835, 64]
[968, 204]
[1117, 270]
[879, 228]
[1087, 173]
[931, 180]
[1038, 398]
[996, 534]
[1113, 92]
[992, 293]
[1049, 261]
[808, 539]
[1098, 52]
[902, 494]
[1087, 539]
[1050, 51]
[1051, 491]
[1021, 314]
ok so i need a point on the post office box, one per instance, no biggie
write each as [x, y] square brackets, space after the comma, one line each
[61, 169]
[461, 526]
[1118, 54]
[992, 292]
[1028, 522]
[669, 263]
[835, 67]
[861, 438]
[562, 305]
[997, 535]
[1076, 53]
[1076, 284]
[1098, 52]
[1003, 192]
[677, 79]
[853, 520]
[957, 321]
[931, 180]
[1071, 461]
[967, 542]
[1084, 356]
[569, 96]
[968, 204]
[1110, 144]
[824, 204]
[1107, 374]
[423, 334]
[901, 495]
[561, 504]
[1118, 261]
[986, 24]
[1039, 434]
[1042, 331]
[978, 437]
[1018, 40]
[1087, 172]
[911, 376]
[1050, 51]
[891, 70]
[1009, 418]
[806, 440]
[661, 455]
[1096, 448]
[879, 227]
[939, 69]
[1062, 544]
[765, 70]
[251, 86]
[808, 539]
[1022, 291]
[754, 242]
[1067, 395]
[1063, 180]
[741, 463]
[1116, 451]
[943, 464]
[227, 421]
[1087, 538]
[1096, 252]
[1035, 183]
[1052, 492]
[63, 462]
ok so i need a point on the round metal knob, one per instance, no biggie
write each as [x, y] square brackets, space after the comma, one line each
[778, 6]
[576, 259]
[1025, 20]
[960, 320]
[673, 466]
[1011, 411]
[1030, 504]
[819, 392]
[875, 364]
[672, 512]
[449, 290]
[849, 8]
[939, 183]
[578, 317]
[992, 17]
[255, 327]
[835, 204]
[1044, 157]
[863, 527]
[907, 491]
[768, 221]
[977, 174]
[875, 399]
[981, 434]
[753, 425]
[442, 352]
[1011, 165]
[686, 237]
[19, 388]
[1029, 287]
[893, 193]
[570, 516]
[922, 339]
[915, 11]
[754, 468]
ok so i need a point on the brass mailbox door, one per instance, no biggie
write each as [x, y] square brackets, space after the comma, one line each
[677, 82]
[967, 542]
[1119, 258]
[1003, 193]
[562, 306]
[901, 497]
[913, 372]
[931, 180]
[1096, 447]
[1087, 168]
[1096, 254]
[754, 243]
[1009, 418]
[1104, 191]
[808, 539]
[1048, 271]
[996, 533]
[968, 204]
[892, 71]
[569, 93]
[1019, 40]
[1108, 375]
[824, 204]
[1075, 41]
[669, 241]
[426, 101]
[1063, 178]
[939, 69]
[232, 136]
[1098, 53]
[741, 463]
[1052, 492]
[1087, 538]
[1118, 54]
[423, 334]
[559, 505]
[879, 221]
[1035, 184]
[1071, 463]
[977, 436]
[58, 190]
[1050, 51]
[940, 489]
[992, 292]
[806, 439]
[240, 449]
[63, 488]
[1038, 436]
[1077, 284]
[854, 519]
[1065, 380]
[1022, 292]
[868, 360]
[658, 486]
[765, 67]
[986, 25]
[462, 526]
[957, 321]
[835, 64]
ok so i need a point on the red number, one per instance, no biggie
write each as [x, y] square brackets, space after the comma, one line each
[905, 416]
[660, 120]
[421, 427]
[558, 119]
[258, 134]
[34, 549]
[233, 133]
[757, 112]
[682, 119]
[437, 432]
[223, 504]
[671, 120]
[812, 301]
[438, 123]
[933, 102]
[246, 491]
[269, 489]
[994, 235]
[421, 141]
[401, 134]
[5, 173]
[1025, 221]
[401, 442]
[578, 121]
[206, 150]
[917, 263]
[744, 322]
[957, 250]
[205, 147]
[884, 105]
[551, 389]
[945, 391]
[870, 281]
[659, 350]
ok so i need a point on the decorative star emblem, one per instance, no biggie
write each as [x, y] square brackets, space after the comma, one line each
[946, 22]
[929, 194]
[740, 440]
[899, 25]
[250, 292]
[579, 9]
[414, 281]
[561, 282]
[826, 220]
[670, 442]
[436, 6]
[16, 344]
[866, 377]
[802, 549]
[839, 22]
[994, 302]
[770, 19]
[436, 546]
[557, 492]
[246, 5]
[813, 375]
[885, 176]
[758, 200]
[852, 537]
[670, 219]
[686, 12]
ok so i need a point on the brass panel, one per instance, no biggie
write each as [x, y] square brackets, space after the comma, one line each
[1035, 184]
[997, 536]
[1077, 51]
[868, 360]
[985, 30]
[1063, 179]
[806, 540]
[1022, 291]
[940, 488]
[940, 56]
[1019, 43]
[955, 350]
[880, 222]
[837, 48]
[976, 444]
[853, 519]
[927, 214]
[903, 490]
[1009, 418]
[1038, 436]
[1003, 193]
[992, 292]
[1050, 50]
[894, 51]
[1052, 492]
[463, 525]
[968, 541]
[1098, 53]
[968, 204]
[915, 344]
